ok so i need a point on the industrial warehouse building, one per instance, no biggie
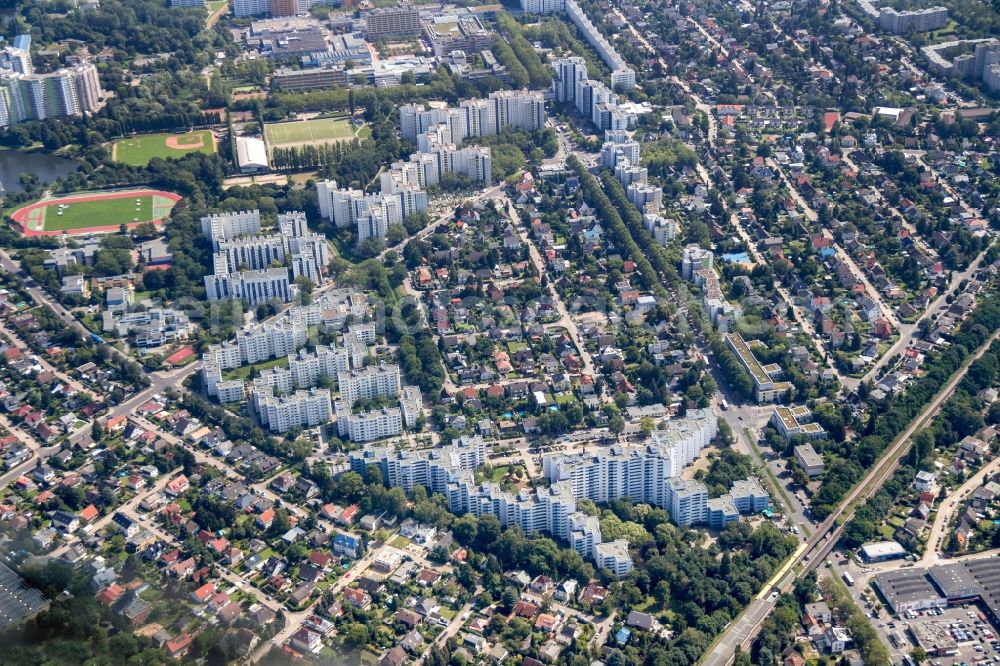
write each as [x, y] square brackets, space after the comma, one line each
[975, 581]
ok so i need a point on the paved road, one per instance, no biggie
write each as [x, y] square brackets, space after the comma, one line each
[102, 522]
[565, 320]
[40, 297]
[221, 571]
[259, 487]
[948, 508]
[742, 632]
[293, 620]
[887, 311]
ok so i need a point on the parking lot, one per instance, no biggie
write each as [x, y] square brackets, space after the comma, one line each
[962, 627]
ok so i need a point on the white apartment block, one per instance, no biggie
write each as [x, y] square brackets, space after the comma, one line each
[607, 116]
[369, 383]
[695, 259]
[227, 226]
[636, 472]
[393, 22]
[411, 404]
[590, 93]
[568, 72]
[252, 267]
[24, 95]
[690, 505]
[370, 214]
[613, 556]
[618, 147]
[302, 409]
[918, 20]
[687, 500]
[645, 197]
[262, 342]
[285, 337]
[243, 8]
[449, 470]
[474, 162]
[542, 6]
[663, 229]
[402, 181]
[255, 287]
[520, 109]
[627, 173]
[308, 368]
[224, 390]
[368, 426]
[230, 390]
[372, 225]
[308, 252]
[248, 252]
[416, 119]
[621, 73]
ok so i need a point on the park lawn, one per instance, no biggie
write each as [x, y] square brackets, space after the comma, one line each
[499, 473]
[213, 5]
[243, 372]
[140, 149]
[303, 131]
[104, 212]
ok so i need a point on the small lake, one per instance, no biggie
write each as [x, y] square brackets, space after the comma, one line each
[47, 167]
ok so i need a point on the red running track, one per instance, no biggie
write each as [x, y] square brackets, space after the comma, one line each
[21, 215]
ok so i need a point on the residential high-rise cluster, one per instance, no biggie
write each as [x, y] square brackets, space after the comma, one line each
[620, 154]
[438, 132]
[592, 98]
[285, 337]
[621, 73]
[373, 214]
[292, 395]
[450, 471]
[898, 22]
[379, 423]
[393, 22]
[276, 8]
[255, 267]
[476, 117]
[643, 474]
[372, 383]
[982, 64]
[26, 95]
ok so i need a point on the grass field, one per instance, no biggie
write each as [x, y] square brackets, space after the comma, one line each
[140, 149]
[94, 212]
[320, 130]
[82, 215]
[243, 372]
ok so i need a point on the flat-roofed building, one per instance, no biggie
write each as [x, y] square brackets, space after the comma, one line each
[881, 551]
[810, 461]
[766, 389]
[796, 420]
[393, 22]
[908, 589]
